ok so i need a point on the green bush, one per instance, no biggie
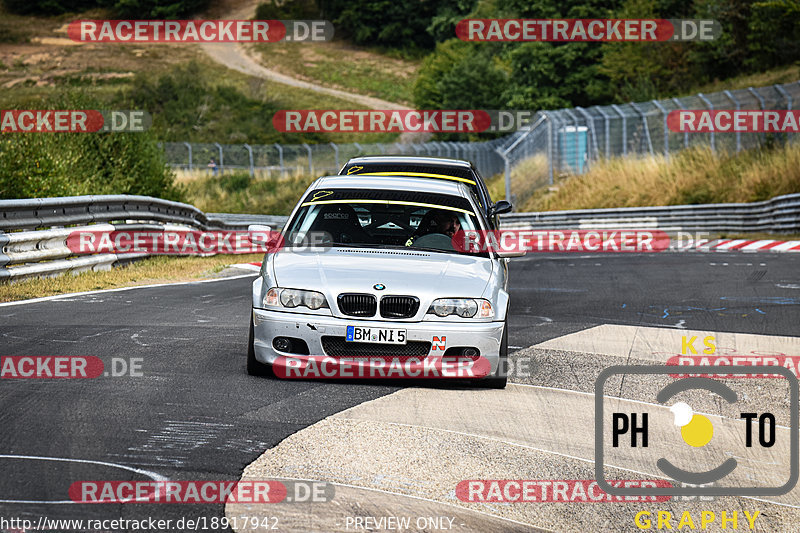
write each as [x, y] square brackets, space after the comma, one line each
[154, 9]
[125, 9]
[461, 75]
[187, 108]
[236, 182]
[547, 75]
[531, 76]
[49, 7]
[34, 165]
[404, 24]
[292, 10]
[774, 34]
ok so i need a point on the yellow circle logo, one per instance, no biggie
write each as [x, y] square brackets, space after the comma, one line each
[696, 430]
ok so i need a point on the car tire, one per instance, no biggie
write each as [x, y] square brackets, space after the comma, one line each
[499, 379]
[254, 366]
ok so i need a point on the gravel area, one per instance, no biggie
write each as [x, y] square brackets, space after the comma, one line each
[407, 452]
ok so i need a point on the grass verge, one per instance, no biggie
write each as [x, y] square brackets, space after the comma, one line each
[693, 176]
[760, 236]
[343, 66]
[528, 177]
[773, 76]
[239, 193]
[147, 271]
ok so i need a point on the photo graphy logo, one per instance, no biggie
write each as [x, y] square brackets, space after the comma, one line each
[708, 455]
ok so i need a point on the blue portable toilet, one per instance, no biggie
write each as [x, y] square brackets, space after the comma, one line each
[573, 142]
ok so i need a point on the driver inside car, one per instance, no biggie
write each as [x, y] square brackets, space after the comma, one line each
[435, 225]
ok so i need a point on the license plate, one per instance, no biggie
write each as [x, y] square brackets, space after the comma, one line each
[376, 335]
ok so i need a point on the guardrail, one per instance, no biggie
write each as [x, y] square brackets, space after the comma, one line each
[69, 210]
[40, 248]
[778, 215]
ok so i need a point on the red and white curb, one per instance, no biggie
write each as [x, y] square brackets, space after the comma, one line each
[255, 267]
[741, 245]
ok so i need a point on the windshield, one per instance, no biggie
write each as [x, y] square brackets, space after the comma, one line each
[381, 219]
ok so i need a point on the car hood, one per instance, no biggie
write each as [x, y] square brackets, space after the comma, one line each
[426, 275]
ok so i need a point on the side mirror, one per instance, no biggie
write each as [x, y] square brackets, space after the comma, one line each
[259, 234]
[507, 254]
[501, 207]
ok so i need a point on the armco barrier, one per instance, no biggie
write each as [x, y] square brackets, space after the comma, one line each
[40, 248]
[778, 215]
[70, 210]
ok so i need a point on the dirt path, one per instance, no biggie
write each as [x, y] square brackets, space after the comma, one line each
[235, 56]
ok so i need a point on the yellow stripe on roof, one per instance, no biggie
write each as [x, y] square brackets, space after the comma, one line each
[416, 174]
[388, 202]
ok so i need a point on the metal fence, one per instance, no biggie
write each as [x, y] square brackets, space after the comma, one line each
[317, 159]
[576, 138]
[571, 139]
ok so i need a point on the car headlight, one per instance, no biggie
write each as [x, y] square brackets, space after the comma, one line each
[277, 297]
[463, 307]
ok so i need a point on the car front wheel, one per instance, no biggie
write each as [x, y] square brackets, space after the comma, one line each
[499, 379]
[254, 366]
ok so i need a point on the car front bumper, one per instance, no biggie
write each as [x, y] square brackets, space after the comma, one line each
[485, 336]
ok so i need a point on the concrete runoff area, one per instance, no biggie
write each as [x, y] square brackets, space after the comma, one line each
[659, 344]
[414, 446]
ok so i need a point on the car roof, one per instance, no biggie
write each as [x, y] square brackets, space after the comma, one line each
[398, 183]
[413, 160]
[424, 167]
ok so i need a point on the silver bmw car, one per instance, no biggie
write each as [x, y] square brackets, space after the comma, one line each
[368, 269]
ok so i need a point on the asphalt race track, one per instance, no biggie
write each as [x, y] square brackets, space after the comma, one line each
[194, 414]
